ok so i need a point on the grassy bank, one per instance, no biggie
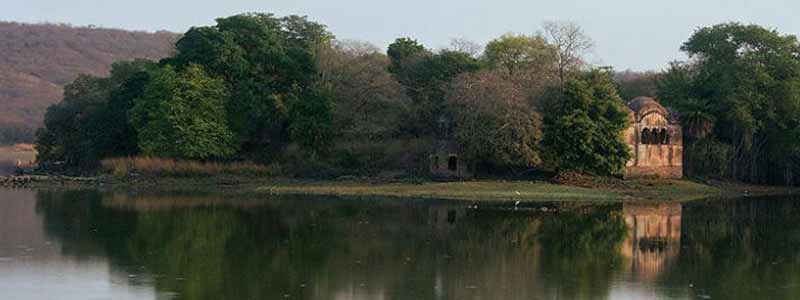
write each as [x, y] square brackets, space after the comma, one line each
[657, 190]
[167, 174]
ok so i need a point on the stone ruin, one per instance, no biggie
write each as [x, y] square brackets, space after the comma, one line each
[655, 141]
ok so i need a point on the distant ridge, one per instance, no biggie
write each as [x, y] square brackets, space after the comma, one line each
[37, 60]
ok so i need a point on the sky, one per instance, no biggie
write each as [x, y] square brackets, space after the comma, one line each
[629, 34]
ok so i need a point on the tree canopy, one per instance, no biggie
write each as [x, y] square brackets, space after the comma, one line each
[583, 132]
[740, 92]
[182, 115]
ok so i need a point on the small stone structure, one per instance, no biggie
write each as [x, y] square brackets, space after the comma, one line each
[445, 161]
[655, 140]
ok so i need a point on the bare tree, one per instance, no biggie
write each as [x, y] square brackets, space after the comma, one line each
[570, 43]
[472, 48]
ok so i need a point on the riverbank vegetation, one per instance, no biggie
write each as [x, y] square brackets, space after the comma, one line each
[148, 167]
[739, 98]
[284, 93]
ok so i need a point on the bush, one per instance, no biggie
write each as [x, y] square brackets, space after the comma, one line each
[152, 166]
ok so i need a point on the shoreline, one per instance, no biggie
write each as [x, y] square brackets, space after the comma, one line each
[485, 190]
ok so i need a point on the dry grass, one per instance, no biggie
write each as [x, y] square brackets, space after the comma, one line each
[22, 152]
[13, 156]
[151, 166]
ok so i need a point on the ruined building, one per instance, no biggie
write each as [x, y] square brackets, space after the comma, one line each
[655, 141]
[445, 160]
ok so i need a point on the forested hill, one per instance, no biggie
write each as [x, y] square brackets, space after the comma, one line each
[36, 61]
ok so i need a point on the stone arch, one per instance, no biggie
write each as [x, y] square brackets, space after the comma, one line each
[664, 136]
[654, 137]
[645, 137]
[452, 163]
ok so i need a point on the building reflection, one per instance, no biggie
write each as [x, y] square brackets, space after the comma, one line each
[653, 240]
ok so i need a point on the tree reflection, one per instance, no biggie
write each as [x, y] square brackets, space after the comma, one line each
[216, 246]
[741, 249]
[581, 251]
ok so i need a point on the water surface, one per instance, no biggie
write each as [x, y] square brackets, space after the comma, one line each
[99, 245]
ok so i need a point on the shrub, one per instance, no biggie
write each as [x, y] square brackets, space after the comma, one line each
[153, 166]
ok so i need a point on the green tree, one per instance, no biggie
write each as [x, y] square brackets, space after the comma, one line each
[425, 77]
[182, 115]
[113, 135]
[405, 52]
[311, 122]
[742, 89]
[92, 122]
[265, 62]
[515, 53]
[583, 132]
[64, 138]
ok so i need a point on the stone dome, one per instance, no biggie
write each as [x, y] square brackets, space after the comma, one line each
[644, 105]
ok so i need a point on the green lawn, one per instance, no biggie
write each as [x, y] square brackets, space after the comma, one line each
[662, 190]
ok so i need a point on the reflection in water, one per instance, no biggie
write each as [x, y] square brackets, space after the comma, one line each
[217, 246]
[654, 236]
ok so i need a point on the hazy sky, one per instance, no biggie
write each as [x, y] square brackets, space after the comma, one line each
[629, 34]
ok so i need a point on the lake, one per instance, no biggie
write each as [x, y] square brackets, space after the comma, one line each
[88, 244]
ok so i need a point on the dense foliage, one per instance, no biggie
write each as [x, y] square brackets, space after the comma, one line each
[182, 115]
[739, 100]
[92, 121]
[584, 129]
[284, 91]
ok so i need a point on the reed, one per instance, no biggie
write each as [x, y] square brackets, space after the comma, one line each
[154, 166]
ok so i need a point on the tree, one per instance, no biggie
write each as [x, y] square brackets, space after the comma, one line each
[181, 114]
[311, 122]
[466, 46]
[514, 53]
[495, 122]
[113, 134]
[632, 84]
[405, 52]
[425, 76]
[368, 101]
[570, 44]
[64, 138]
[92, 122]
[583, 132]
[741, 89]
[265, 62]
[369, 108]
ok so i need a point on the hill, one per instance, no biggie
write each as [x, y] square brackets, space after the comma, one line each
[37, 60]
